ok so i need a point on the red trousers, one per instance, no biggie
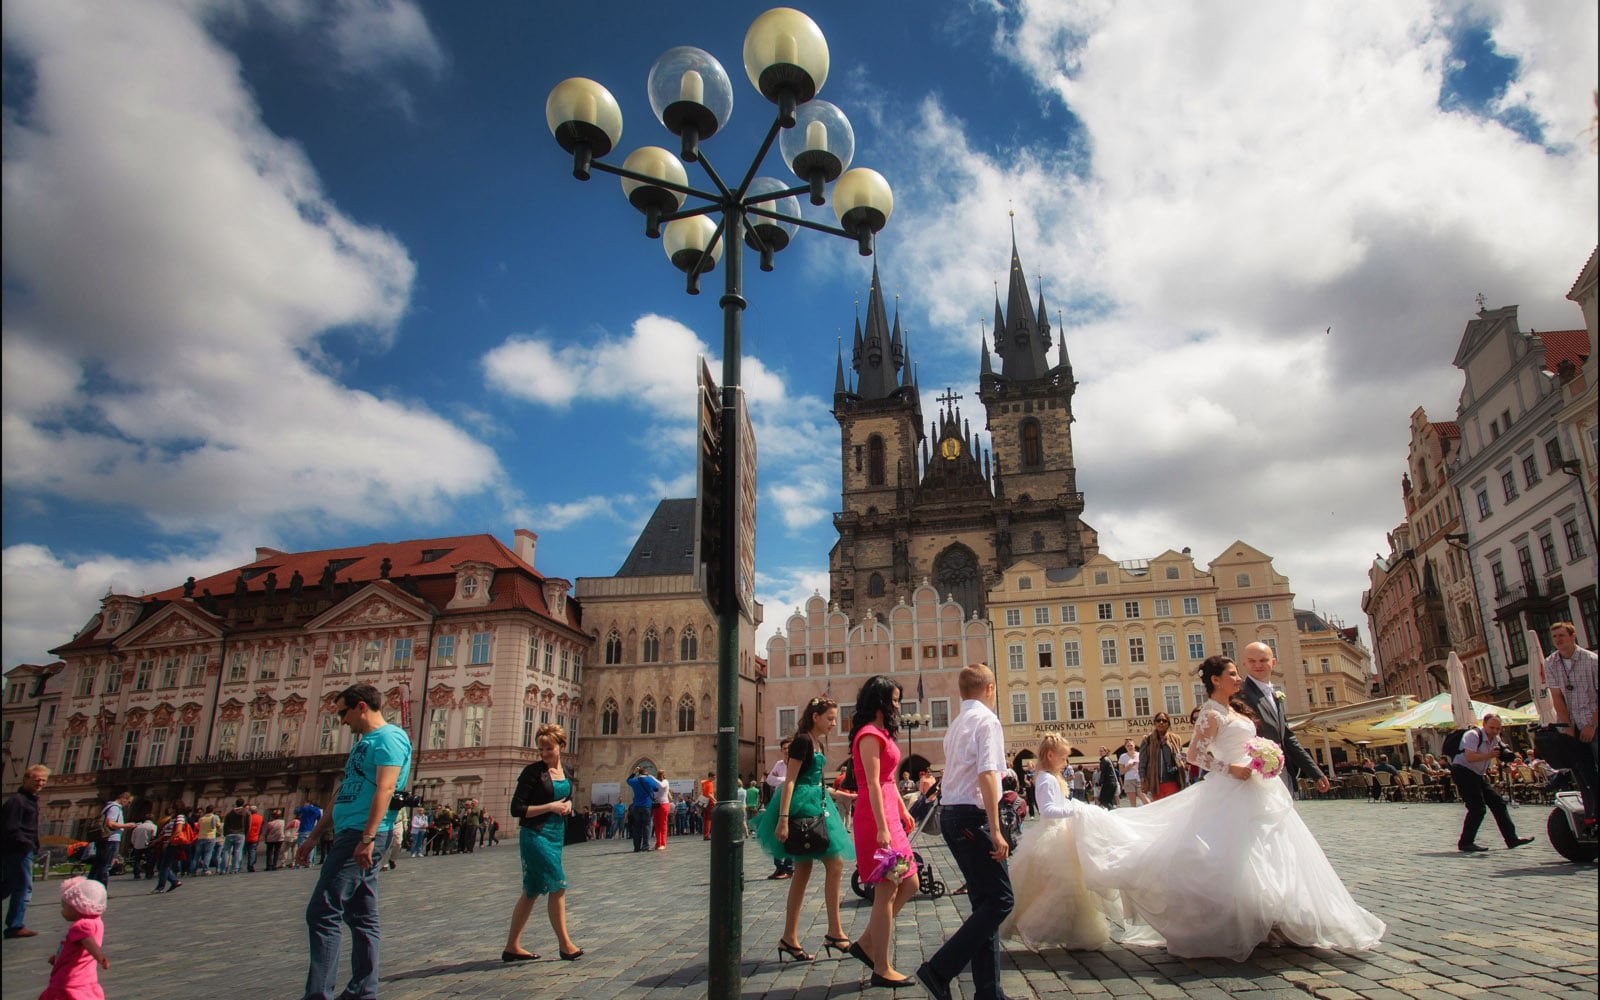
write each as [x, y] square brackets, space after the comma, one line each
[659, 812]
[1167, 788]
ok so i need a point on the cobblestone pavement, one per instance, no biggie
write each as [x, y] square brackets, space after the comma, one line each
[1506, 923]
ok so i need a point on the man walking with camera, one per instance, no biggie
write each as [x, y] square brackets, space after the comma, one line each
[1478, 747]
[362, 819]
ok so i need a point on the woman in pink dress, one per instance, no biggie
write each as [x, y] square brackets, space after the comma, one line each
[881, 825]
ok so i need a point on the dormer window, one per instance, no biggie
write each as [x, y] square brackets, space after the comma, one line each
[469, 586]
[114, 620]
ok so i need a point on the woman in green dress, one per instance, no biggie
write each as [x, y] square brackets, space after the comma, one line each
[541, 804]
[803, 795]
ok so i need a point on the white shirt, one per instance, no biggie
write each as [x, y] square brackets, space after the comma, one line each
[974, 744]
[1128, 763]
[1048, 795]
[662, 795]
[1476, 741]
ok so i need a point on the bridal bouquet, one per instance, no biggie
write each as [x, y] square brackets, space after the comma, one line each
[887, 861]
[1264, 757]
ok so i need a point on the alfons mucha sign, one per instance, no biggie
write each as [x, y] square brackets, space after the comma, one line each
[1117, 727]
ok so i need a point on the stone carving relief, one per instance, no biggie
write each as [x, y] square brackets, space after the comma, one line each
[161, 718]
[263, 706]
[294, 706]
[231, 710]
[441, 696]
[78, 725]
[189, 713]
[477, 694]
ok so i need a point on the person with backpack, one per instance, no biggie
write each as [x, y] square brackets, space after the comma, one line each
[1470, 752]
[108, 835]
[1109, 784]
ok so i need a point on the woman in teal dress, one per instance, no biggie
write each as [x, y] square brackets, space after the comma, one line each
[803, 794]
[541, 804]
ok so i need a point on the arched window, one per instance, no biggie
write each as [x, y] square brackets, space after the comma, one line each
[688, 645]
[686, 714]
[1032, 445]
[875, 460]
[613, 647]
[650, 652]
[647, 715]
[875, 585]
[608, 718]
[956, 575]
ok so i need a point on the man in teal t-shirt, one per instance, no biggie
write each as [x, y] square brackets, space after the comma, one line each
[363, 823]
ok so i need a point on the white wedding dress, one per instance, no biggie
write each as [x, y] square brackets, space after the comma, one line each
[1053, 908]
[1212, 870]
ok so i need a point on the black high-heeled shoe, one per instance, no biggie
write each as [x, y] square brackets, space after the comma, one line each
[878, 980]
[859, 953]
[792, 951]
[838, 944]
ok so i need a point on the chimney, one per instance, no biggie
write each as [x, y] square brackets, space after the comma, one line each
[262, 552]
[527, 541]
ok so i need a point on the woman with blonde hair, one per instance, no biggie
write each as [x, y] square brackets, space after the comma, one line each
[802, 798]
[541, 804]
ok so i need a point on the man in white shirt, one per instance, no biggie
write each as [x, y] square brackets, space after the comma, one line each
[1571, 673]
[974, 760]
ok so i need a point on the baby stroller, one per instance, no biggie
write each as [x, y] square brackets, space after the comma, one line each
[924, 812]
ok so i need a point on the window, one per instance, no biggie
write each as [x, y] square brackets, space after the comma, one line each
[289, 735]
[472, 725]
[1032, 448]
[185, 745]
[96, 761]
[647, 715]
[1483, 505]
[197, 670]
[688, 645]
[1172, 695]
[1518, 642]
[1224, 614]
[1172, 572]
[1041, 616]
[613, 648]
[258, 737]
[1014, 656]
[169, 672]
[228, 738]
[1108, 652]
[1046, 653]
[1130, 609]
[1047, 707]
[686, 714]
[1547, 549]
[85, 681]
[158, 747]
[1113, 703]
[1163, 607]
[939, 713]
[269, 665]
[1167, 648]
[1552, 454]
[1263, 611]
[1070, 656]
[238, 667]
[299, 661]
[566, 662]
[1574, 540]
[400, 658]
[339, 658]
[372, 656]
[1135, 649]
[438, 728]
[1271, 644]
[786, 722]
[1019, 706]
[1508, 485]
[875, 461]
[480, 648]
[1102, 611]
[1026, 582]
[577, 675]
[1199, 694]
[1327, 694]
[609, 718]
[1525, 563]
[529, 726]
[1241, 579]
[1191, 605]
[130, 748]
[1013, 617]
[1530, 472]
[1101, 577]
[1497, 572]
[1141, 702]
[875, 585]
[549, 652]
[69, 755]
[1069, 614]
[1075, 710]
[1197, 645]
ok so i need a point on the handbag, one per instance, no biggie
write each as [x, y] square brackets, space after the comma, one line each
[808, 835]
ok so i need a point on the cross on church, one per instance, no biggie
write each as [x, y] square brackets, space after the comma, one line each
[950, 396]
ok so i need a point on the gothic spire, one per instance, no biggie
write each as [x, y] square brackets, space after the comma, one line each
[1024, 341]
[877, 366]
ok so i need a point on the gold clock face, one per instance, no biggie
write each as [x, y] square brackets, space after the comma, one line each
[950, 448]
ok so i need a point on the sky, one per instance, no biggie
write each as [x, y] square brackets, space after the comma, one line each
[311, 274]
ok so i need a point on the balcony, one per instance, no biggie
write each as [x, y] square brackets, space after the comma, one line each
[225, 766]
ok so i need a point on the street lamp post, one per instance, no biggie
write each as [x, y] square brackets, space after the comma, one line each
[786, 58]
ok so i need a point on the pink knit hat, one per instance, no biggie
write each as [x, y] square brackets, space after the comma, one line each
[85, 895]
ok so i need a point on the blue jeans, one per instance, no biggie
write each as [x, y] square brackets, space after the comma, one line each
[105, 852]
[977, 940]
[419, 840]
[16, 884]
[349, 894]
[232, 852]
[250, 855]
[203, 853]
[167, 875]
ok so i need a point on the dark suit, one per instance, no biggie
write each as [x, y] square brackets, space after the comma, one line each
[1272, 723]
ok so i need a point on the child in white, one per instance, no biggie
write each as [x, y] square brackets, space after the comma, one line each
[1052, 906]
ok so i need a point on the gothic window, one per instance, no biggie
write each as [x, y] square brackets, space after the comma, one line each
[1032, 445]
[608, 718]
[651, 650]
[956, 574]
[686, 714]
[647, 715]
[688, 645]
[1038, 541]
[613, 647]
[875, 460]
[875, 585]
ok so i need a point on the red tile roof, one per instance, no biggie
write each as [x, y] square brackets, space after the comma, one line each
[1564, 345]
[1583, 271]
[1446, 428]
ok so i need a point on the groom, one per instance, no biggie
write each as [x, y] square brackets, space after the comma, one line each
[1272, 716]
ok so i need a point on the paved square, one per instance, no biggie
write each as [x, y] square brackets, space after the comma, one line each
[1505, 924]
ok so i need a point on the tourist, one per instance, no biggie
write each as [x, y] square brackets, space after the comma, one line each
[542, 802]
[884, 859]
[19, 841]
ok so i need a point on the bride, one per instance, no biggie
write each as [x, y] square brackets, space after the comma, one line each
[1217, 868]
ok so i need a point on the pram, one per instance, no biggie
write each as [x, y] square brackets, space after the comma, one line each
[925, 812]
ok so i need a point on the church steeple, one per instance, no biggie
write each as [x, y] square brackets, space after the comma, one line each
[877, 364]
[1021, 339]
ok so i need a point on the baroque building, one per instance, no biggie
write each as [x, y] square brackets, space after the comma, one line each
[929, 502]
[1337, 667]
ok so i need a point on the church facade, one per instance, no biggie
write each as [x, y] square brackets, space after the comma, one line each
[928, 502]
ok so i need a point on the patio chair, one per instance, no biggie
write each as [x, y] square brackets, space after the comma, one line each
[1385, 782]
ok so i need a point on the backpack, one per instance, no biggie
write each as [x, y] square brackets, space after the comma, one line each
[1010, 822]
[185, 834]
[1452, 742]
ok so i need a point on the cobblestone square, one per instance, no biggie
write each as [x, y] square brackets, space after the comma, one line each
[1506, 923]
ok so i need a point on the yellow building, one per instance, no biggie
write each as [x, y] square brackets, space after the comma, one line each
[1337, 668]
[1256, 604]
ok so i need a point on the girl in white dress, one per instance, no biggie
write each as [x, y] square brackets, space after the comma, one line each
[1052, 908]
[1216, 868]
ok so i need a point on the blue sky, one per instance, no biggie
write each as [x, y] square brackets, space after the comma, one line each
[315, 274]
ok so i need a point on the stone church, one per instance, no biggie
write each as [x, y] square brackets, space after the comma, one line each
[927, 500]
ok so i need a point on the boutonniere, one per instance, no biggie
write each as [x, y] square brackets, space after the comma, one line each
[1279, 696]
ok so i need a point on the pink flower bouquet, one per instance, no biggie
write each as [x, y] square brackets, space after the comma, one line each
[1264, 757]
[887, 861]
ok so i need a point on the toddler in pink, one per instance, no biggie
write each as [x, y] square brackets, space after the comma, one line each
[73, 975]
